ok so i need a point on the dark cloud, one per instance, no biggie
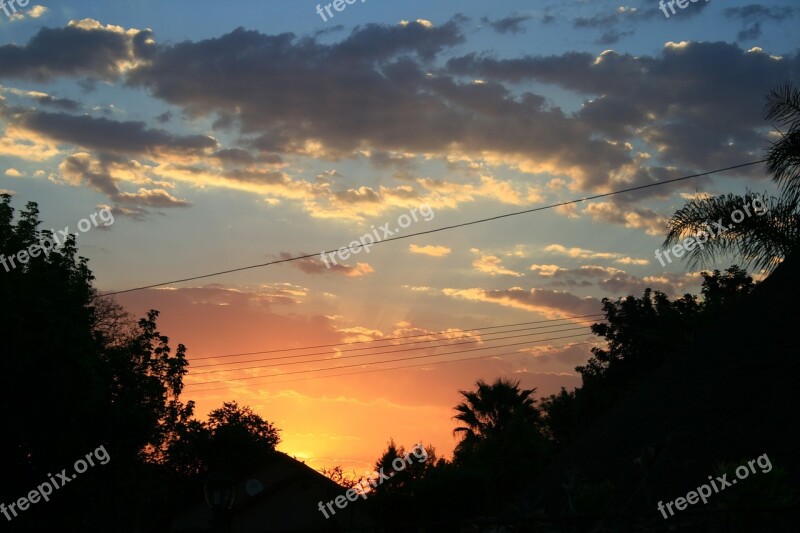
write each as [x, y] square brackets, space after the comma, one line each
[135, 213]
[234, 155]
[600, 20]
[378, 42]
[671, 284]
[98, 174]
[315, 267]
[82, 48]
[365, 92]
[512, 24]
[753, 15]
[698, 104]
[107, 135]
[379, 91]
[751, 33]
[615, 282]
[756, 12]
[623, 21]
[61, 103]
[609, 20]
[613, 36]
[164, 117]
[256, 176]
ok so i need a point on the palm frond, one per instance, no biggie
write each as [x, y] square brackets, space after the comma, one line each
[783, 105]
[758, 241]
[783, 156]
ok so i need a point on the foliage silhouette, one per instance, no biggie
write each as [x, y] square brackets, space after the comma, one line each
[80, 372]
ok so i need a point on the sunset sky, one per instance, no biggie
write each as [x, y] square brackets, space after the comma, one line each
[229, 134]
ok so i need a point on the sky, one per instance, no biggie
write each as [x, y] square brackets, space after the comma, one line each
[228, 135]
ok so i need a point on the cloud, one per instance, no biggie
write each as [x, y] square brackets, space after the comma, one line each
[672, 284]
[34, 13]
[13, 173]
[664, 100]
[411, 106]
[433, 251]
[582, 253]
[37, 11]
[44, 98]
[545, 270]
[579, 253]
[492, 265]
[102, 175]
[552, 304]
[105, 134]
[613, 281]
[634, 218]
[632, 261]
[752, 12]
[262, 296]
[753, 15]
[66, 104]
[610, 19]
[310, 265]
[82, 48]
[510, 24]
[571, 354]
[400, 108]
[613, 36]
[24, 144]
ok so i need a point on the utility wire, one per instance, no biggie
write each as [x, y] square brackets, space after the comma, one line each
[387, 361]
[395, 368]
[444, 228]
[442, 342]
[375, 353]
[386, 339]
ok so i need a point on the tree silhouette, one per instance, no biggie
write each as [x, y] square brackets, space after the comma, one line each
[640, 334]
[79, 373]
[502, 444]
[758, 241]
[491, 410]
[783, 157]
[234, 439]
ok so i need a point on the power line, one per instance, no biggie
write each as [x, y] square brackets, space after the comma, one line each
[372, 354]
[386, 339]
[444, 228]
[387, 361]
[444, 341]
[397, 367]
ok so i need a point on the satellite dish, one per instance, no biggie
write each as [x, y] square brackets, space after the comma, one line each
[253, 487]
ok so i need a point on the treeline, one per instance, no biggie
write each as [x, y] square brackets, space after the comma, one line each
[512, 465]
[78, 372]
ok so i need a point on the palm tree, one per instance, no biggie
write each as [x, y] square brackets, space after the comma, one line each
[783, 158]
[492, 410]
[761, 242]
